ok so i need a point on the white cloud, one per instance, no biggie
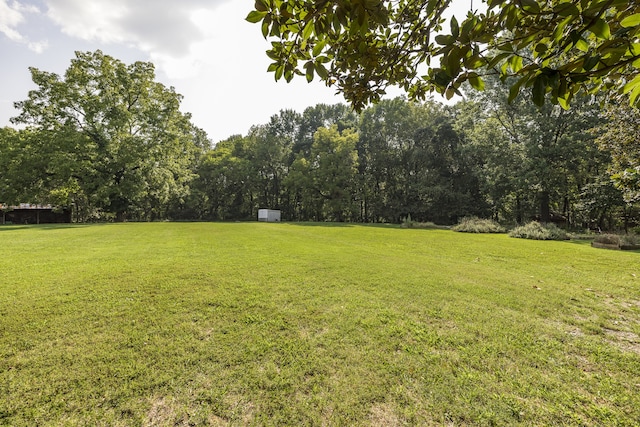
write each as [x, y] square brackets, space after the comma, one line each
[161, 27]
[89, 20]
[38, 47]
[12, 15]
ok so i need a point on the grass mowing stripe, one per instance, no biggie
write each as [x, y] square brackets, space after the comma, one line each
[289, 324]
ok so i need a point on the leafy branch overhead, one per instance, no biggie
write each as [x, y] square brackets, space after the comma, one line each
[553, 48]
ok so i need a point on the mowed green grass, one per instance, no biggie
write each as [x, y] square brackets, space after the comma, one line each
[167, 324]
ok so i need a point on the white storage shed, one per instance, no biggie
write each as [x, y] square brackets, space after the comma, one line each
[268, 215]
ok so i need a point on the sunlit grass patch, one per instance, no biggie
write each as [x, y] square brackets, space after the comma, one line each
[295, 324]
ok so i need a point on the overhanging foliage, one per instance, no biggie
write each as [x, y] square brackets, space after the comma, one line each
[555, 48]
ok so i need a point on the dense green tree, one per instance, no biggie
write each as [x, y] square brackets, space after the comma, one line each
[322, 115]
[123, 142]
[271, 155]
[42, 167]
[327, 179]
[15, 180]
[363, 47]
[500, 160]
[600, 205]
[555, 152]
[306, 202]
[620, 136]
[387, 130]
[449, 188]
[226, 181]
[413, 163]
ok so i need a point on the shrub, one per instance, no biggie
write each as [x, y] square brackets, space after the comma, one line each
[536, 231]
[409, 223]
[478, 225]
[630, 240]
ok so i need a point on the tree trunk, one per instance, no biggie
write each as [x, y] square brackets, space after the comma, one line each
[545, 212]
[566, 211]
[518, 210]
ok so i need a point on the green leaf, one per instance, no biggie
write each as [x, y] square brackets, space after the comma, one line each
[255, 16]
[632, 85]
[515, 63]
[308, 30]
[279, 72]
[582, 45]
[441, 78]
[564, 103]
[601, 29]
[260, 6]
[288, 74]
[566, 9]
[453, 61]
[445, 40]
[455, 28]
[631, 21]
[514, 90]
[476, 82]
[531, 6]
[473, 62]
[450, 92]
[558, 33]
[634, 95]
[591, 62]
[321, 71]
[317, 49]
[309, 67]
[541, 48]
[496, 59]
[538, 90]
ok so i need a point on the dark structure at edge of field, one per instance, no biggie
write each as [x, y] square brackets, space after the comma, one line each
[33, 214]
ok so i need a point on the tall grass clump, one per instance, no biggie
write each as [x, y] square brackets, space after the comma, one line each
[536, 231]
[478, 225]
[407, 222]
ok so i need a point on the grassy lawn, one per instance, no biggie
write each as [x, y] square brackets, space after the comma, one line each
[167, 324]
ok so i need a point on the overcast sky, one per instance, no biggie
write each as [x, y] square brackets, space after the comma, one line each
[204, 48]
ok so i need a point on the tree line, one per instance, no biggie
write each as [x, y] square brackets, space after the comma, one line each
[484, 157]
[110, 143]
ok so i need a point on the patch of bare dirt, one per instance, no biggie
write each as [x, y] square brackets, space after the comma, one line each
[162, 413]
[243, 411]
[383, 415]
[624, 340]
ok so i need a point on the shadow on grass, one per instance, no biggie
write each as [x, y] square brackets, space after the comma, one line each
[322, 224]
[9, 227]
[342, 224]
[581, 242]
[44, 227]
[587, 242]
